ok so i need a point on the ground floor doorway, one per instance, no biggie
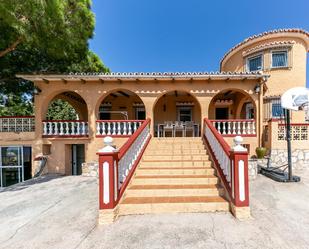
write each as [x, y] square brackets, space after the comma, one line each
[78, 158]
[15, 164]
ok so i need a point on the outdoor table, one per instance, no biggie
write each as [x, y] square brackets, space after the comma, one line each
[160, 127]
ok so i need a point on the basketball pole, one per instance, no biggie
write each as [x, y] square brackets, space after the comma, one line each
[288, 140]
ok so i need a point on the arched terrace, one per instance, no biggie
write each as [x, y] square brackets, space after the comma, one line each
[66, 114]
[177, 113]
[119, 112]
[233, 112]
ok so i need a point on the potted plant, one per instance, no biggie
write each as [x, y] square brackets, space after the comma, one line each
[260, 152]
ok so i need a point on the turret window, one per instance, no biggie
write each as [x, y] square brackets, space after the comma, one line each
[254, 63]
[279, 59]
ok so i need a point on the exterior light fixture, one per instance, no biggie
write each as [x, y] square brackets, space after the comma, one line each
[37, 90]
[257, 89]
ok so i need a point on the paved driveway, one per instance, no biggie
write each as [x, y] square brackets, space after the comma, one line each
[61, 213]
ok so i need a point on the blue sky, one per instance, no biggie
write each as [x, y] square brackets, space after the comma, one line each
[178, 35]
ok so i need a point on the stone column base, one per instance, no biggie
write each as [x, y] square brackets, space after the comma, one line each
[241, 213]
[107, 216]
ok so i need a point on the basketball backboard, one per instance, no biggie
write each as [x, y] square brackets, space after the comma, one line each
[295, 99]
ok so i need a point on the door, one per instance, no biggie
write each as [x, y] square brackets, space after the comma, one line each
[140, 113]
[15, 164]
[78, 157]
[222, 113]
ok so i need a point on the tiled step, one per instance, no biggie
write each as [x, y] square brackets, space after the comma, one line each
[144, 205]
[172, 190]
[175, 158]
[176, 140]
[174, 179]
[176, 146]
[175, 152]
[175, 171]
[179, 163]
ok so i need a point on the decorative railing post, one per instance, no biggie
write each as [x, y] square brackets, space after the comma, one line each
[116, 169]
[108, 175]
[232, 167]
[240, 179]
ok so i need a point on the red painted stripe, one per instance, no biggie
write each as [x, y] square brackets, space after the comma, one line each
[99, 136]
[295, 124]
[112, 121]
[231, 120]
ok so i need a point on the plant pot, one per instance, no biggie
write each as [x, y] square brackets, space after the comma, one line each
[260, 152]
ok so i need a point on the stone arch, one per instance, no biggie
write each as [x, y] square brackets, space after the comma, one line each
[233, 101]
[71, 97]
[120, 100]
[176, 105]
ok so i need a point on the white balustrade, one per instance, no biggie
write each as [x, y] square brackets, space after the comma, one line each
[117, 128]
[221, 155]
[17, 124]
[65, 128]
[127, 161]
[235, 127]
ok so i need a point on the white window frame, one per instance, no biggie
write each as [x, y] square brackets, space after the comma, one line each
[249, 107]
[252, 57]
[278, 51]
[185, 108]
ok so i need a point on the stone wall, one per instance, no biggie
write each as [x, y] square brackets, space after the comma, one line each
[90, 169]
[252, 168]
[300, 158]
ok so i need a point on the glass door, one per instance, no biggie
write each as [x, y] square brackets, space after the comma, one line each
[78, 158]
[11, 165]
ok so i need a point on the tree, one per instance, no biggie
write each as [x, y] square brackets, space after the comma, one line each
[61, 110]
[61, 28]
[42, 36]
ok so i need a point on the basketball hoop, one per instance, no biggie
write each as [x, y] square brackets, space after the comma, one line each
[295, 99]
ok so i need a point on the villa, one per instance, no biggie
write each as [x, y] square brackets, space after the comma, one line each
[174, 132]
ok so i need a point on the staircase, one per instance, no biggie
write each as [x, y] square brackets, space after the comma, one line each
[175, 175]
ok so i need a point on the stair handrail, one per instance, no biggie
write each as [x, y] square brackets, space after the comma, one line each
[231, 164]
[116, 167]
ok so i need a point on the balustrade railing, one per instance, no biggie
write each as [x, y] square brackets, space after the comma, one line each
[232, 164]
[235, 127]
[117, 128]
[116, 167]
[65, 128]
[17, 124]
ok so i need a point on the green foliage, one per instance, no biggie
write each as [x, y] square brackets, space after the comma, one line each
[61, 110]
[60, 28]
[42, 36]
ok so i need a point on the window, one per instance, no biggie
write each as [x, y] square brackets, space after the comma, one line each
[185, 114]
[254, 63]
[276, 110]
[272, 108]
[279, 59]
[249, 111]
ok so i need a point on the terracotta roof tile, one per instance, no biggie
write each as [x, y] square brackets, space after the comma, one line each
[291, 30]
